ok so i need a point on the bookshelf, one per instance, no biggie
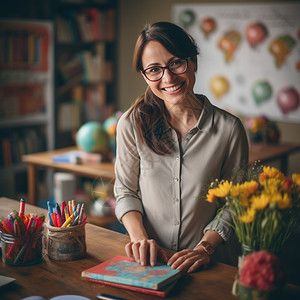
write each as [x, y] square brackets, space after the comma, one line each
[26, 93]
[85, 65]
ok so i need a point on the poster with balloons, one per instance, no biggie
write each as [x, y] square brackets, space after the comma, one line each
[249, 61]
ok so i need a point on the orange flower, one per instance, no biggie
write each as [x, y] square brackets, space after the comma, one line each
[210, 197]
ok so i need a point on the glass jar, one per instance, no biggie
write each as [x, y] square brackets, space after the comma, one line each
[22, 249]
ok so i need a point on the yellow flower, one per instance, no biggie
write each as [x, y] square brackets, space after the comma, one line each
[248, 216]
[272, 185]
[223, 189]
[296, 178]
[283, 202]
[270, 172]
[235, 190]
[210, 197]
[249, 187]
[261, 202]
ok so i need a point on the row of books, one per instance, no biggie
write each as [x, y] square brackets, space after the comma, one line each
[25, 47]
[86, 104]
[90, 65]
[21, 99]
[18, 143]
[86, 25]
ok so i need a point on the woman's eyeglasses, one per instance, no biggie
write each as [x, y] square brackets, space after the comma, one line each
[176, 67]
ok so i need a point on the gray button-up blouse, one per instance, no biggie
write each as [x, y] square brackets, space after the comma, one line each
[170, 191]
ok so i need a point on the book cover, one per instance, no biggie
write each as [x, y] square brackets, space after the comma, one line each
[77, 156]
[123, 270]
[163, 292]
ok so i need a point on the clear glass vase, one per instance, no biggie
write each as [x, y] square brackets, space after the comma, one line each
[22, 249]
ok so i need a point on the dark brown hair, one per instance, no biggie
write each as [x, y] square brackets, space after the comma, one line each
[149, 111]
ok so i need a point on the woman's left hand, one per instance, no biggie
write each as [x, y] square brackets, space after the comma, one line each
[189, 260]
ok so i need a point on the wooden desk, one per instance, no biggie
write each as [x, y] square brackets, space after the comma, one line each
[270, 152]
[52, 278]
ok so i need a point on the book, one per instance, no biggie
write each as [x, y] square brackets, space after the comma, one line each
[160, 293]
[123, 270]
[77, 157]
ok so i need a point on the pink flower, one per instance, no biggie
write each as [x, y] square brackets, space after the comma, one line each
[262, 270]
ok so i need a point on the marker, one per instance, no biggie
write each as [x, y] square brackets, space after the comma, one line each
[108, 297]
[68, 221]
[22, 208]
[57, 212]
[63, 216]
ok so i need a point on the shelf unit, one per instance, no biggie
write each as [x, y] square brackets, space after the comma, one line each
[85, 65]
[26, 92]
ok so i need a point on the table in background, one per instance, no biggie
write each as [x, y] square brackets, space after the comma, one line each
[103, 170]
[271, 152]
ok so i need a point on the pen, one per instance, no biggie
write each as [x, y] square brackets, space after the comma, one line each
[22, 208]
[108, 297]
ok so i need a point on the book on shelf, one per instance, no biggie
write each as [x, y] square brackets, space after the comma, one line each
[27, 46]
[86, 25]
[122, 270]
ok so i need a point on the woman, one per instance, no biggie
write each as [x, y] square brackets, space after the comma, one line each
[170, 145]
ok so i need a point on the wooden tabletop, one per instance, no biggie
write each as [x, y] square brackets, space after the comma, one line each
[104, 170]
[268, 152]
[52, 278]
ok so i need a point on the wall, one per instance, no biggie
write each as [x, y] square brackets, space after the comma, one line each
[134, 14]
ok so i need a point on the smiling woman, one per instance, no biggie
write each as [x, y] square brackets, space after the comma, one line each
[170, 144]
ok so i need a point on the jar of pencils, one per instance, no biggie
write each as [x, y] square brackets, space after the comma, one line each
[66, 243]
[21, 250]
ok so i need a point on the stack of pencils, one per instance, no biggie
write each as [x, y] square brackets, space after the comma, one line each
[66, 215]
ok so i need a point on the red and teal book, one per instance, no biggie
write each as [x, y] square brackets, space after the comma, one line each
[122, 270]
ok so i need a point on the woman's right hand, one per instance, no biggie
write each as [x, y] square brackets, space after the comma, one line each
[144, 250]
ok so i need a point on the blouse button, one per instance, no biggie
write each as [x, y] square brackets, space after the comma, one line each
[175, 179]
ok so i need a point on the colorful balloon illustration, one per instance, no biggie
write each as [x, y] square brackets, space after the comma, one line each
[288, 99]
[261, 91]
[219, 85]
[208, 25]
[229, 43]
[256, 33]
[187, 18]
[280, 47]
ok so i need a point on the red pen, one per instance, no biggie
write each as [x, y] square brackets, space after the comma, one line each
[22, 208]
[58, 221]
[63, 217]
[53, 217]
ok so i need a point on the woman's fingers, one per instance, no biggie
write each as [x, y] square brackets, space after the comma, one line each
[188, 260]
[145, 251]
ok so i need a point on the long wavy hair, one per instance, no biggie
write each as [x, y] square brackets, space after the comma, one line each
[149, 111]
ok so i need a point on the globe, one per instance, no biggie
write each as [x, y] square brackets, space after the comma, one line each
[92, 137]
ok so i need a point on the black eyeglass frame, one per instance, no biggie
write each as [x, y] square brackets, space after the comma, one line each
[166, 67]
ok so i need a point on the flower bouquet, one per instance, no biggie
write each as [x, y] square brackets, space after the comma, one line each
[265, 209]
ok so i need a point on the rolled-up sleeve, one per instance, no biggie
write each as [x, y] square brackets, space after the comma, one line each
[126, 187]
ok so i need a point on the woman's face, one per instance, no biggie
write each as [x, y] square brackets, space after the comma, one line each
[170, 88]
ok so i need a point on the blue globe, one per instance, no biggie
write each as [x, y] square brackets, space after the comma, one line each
[92, 137]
